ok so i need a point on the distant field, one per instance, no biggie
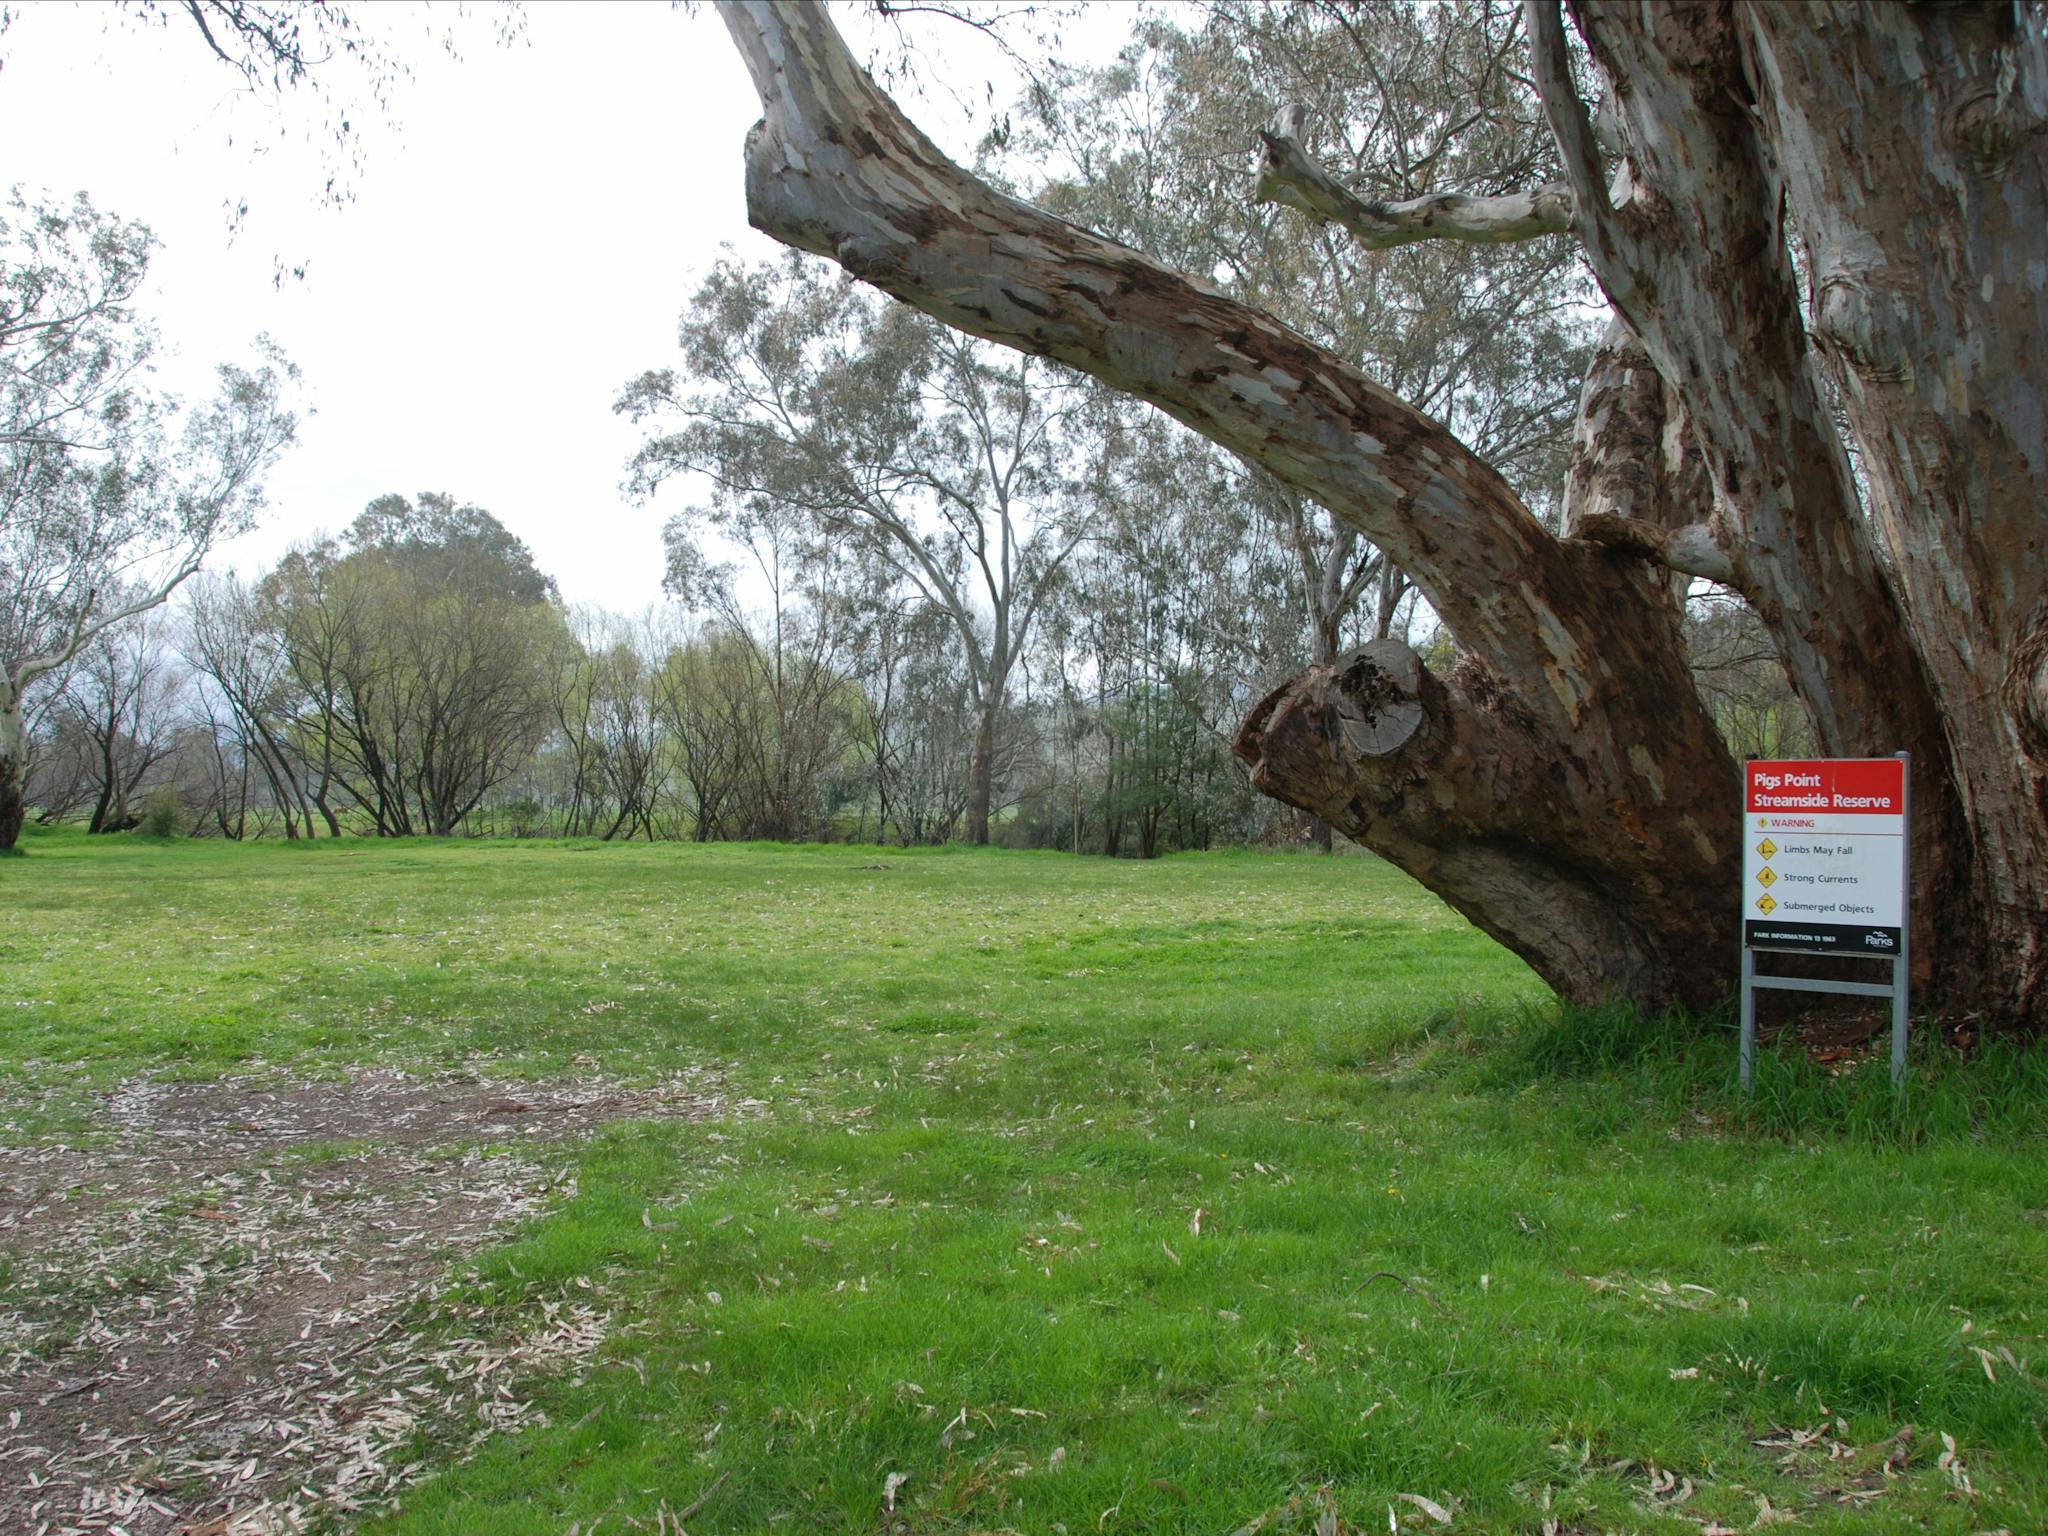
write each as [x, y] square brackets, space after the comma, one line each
[564, 1187]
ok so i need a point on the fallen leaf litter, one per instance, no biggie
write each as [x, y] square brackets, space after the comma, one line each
[218, 1310]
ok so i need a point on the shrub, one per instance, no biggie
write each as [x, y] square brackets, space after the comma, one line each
[163, 813]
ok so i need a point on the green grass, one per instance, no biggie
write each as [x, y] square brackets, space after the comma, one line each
[1451, 1242]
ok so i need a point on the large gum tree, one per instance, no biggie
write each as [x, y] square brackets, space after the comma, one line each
[1820, 226]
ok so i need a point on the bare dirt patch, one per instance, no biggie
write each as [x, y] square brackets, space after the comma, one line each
[216, 1308]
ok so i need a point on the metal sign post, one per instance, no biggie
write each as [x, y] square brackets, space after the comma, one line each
[1827, 869]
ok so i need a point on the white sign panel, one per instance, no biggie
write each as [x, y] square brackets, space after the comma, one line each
[1824, 855]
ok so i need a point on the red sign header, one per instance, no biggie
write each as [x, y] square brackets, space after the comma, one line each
[1854, 786]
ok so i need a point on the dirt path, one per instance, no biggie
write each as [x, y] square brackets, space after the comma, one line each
[215, 1311]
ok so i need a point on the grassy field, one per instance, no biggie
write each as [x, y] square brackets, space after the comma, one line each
[1052, 1195]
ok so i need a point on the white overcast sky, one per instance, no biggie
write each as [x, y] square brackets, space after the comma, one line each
[526, 226]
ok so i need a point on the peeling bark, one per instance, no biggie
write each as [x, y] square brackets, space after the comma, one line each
[1912, 153]
[1635, 482]
[1691, 252]
[1903, 143]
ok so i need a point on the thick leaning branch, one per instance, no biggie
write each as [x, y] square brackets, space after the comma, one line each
[1292, 178]
[834, 168]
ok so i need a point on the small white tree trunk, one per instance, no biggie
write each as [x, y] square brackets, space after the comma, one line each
[13, 771]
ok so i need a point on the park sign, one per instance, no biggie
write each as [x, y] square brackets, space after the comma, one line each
[1826, 863]
[1824, 855]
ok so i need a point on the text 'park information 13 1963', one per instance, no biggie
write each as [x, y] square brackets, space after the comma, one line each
[1824, 855]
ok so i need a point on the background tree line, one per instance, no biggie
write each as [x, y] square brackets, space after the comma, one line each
[418, 675]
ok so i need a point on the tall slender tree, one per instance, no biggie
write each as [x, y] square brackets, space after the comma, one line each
[892, 437]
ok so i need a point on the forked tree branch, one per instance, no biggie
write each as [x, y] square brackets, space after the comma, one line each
[1570, 123]
[1594, 219]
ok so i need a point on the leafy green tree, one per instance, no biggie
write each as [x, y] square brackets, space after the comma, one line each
[604, 762]
[892, 439]
[762, 704]
[917, 716]
[248, 698]
[420, 638]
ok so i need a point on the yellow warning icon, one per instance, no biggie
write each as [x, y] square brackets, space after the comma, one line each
[1766, 877]
[1767, 848]
[1763, 821]
[1765, 905]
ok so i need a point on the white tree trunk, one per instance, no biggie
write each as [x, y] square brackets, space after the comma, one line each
[1904, 143]
[1914, 163]
[981, 757]
[13, 770]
